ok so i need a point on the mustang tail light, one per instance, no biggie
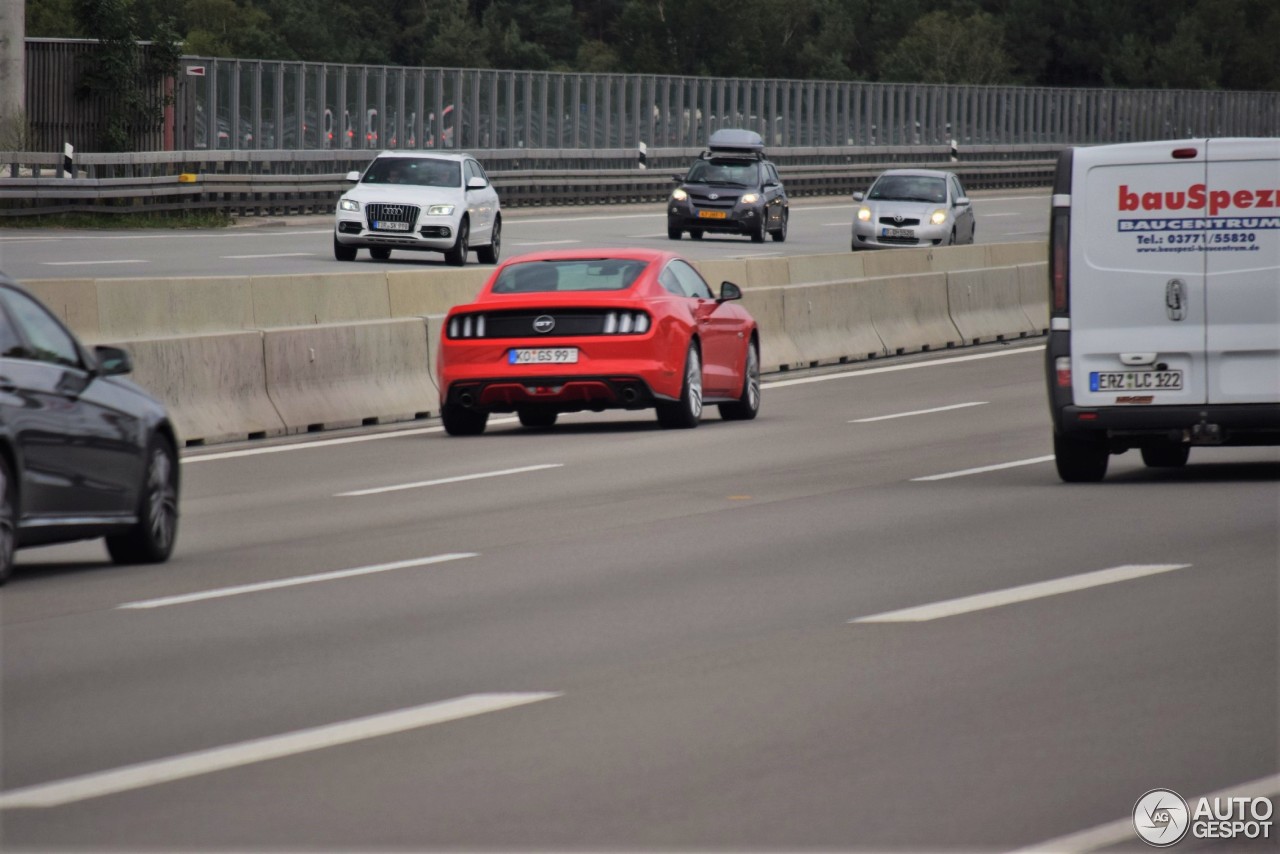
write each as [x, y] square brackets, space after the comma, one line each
[626, 323]
[466, 326]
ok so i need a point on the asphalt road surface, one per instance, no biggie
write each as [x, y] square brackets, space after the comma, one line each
[267, 246]
[611, 636]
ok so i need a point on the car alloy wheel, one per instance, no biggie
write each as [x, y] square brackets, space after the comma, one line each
[151, 539]
[780, 235]
[490, 254]
[687, 411]
[457, 256]
[747, 405]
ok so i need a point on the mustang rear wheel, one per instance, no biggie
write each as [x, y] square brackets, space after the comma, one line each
[748, 404]
[460, 421]
[687, 411]
[151, 539]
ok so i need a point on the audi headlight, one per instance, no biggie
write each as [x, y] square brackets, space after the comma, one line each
[348, 205]
[938, 217]
[440, 210]
[679, 195]
[750, 198]
[864, 214]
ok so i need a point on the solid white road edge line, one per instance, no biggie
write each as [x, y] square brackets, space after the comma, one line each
[911, 366]
[919, 412]
[1023, 593]
[273, 255]
[439, 481]
[261, 750]
[83, 263]
[324, 443]
[223, 592]
[984, 469]
[1121, 830]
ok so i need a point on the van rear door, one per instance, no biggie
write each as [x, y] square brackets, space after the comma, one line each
[1242, 262]
[1137, 297]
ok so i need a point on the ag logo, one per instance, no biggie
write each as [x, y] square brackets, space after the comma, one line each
[544, 324]
[1160, 817]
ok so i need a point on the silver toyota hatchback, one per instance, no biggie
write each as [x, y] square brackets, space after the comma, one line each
[912, 207]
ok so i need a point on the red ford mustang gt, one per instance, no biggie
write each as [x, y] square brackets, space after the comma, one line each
[598, 329]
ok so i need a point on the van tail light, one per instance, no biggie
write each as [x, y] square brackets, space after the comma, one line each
[1059, 255]
[1062, 368]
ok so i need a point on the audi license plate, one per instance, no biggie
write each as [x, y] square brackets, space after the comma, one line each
[544, 356]
[1135, 381]
[897, 232]
[712, 215]
[383, 225]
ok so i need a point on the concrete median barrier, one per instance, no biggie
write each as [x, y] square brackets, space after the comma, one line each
[1013, 254]
[944, 259]
[280, 301]
[418, 293]
[74, 301]
[833, 267]
[144, 308]
[777, 349]
[345, 375]
[829, 323]
[214, 385]
[1033, 288]
[878, 263]
[910, 313]
[986, 305]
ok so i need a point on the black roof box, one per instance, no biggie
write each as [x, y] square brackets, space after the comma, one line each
[736, 142]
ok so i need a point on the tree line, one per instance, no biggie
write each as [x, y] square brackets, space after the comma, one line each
[1152, 44]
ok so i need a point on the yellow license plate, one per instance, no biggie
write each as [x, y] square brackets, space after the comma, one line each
[712, 215]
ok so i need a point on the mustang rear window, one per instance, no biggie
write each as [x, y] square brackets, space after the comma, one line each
[597, 274]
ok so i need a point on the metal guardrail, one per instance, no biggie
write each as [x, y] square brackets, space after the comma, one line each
[299, 182]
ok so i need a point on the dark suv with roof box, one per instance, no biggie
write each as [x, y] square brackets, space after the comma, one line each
[731, 188]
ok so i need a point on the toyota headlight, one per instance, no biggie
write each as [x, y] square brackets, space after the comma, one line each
[440, 210]
[864, 214]
[679, 195]
[348, 205]
[938, 217]
[750, 198]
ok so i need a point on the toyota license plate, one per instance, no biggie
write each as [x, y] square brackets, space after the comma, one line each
[544, 356]
[382, 225]
[1135, 381]
[712, 215]
[897, 232]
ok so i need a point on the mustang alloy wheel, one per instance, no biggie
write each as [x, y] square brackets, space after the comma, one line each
[747, 406]
[687, 411]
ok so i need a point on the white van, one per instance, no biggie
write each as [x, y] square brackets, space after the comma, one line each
[1164, 266]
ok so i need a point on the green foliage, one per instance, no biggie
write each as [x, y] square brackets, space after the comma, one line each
[1127, 43]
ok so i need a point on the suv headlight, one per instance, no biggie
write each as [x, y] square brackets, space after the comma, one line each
[864, 214]
[348, 205]
[938, 217]
[750, 198]
[679, 195]
[440, 210]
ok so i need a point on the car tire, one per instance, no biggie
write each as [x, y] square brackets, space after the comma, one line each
[461, 421]
[1080, 460]
[342, 251]
[151, 539]
[757, 231]
[490, 254]
[1166, 455]
[747, 406]
[537, 417]
[951, 241]
[686, 412]
[673, 233]
[8, 519]
[380, 253]
[780, 235]
[696, 233]
[457, 255]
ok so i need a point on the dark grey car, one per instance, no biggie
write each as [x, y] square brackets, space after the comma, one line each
[731, 189]
[84, 452]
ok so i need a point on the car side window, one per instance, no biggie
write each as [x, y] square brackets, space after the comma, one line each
[773, 174]
[10, 342]
[49, 341]
[667, 278]
[691, 284]
[473, 171]
[956, 189]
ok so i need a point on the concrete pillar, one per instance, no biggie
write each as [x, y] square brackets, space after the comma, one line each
[13, 64]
